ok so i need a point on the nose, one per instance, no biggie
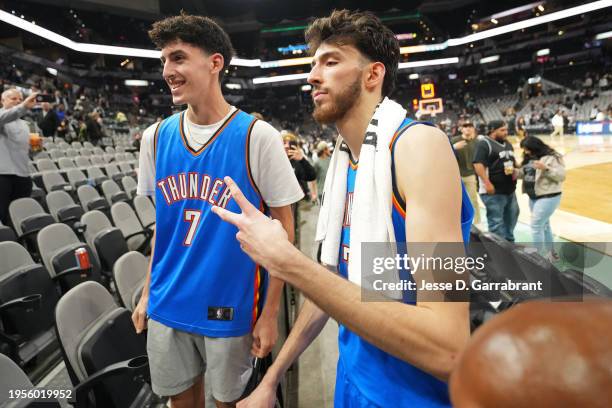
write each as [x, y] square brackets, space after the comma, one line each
[168, 71]
[314, 76]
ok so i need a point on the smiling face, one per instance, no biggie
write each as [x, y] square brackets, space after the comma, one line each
[189, 72]
[337, 79]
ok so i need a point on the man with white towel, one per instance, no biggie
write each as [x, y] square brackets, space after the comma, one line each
[390, 180]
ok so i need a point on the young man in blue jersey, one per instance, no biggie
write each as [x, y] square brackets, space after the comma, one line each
[392, 353]
[203, 295]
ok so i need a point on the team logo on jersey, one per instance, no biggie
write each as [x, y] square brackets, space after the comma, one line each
[194, 186]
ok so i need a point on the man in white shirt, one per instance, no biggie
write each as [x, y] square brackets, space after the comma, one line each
[557, 123]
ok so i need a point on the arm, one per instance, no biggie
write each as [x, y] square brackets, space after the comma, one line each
[139, 316]
[481, 172]
[554, 169]
[265, 332]
[9, 115]
[309, 323]
[428, 336]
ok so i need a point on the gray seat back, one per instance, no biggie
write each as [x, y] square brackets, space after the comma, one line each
[145, 209]
[110, 149]
[85, 152]
[57, 154]
[109, 188]
[51, 179]
[77, 145]
[56, 200]
[98, 160]
[94, 172]
[75, 176]
[71, 152]
[66, 163]
[86, 194]
[88, 145]
[94, 222]
[13, 256]
[46, 165]
[130, 272]
[129, 186]
[51, 240]
[75, 315]
[126, 220]
[112, 169]
[82, 161]
[21, 209]
[12, 378]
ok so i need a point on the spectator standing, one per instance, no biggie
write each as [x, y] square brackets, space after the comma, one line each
[304, 172]
[94, 128]
[48, 122]
[321, 166]
[494, 164]
[15, 179]
[543, 173]
[464, 147]
[557, 124]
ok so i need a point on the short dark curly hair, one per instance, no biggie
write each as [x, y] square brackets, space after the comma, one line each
[198, 31]
[364, 31]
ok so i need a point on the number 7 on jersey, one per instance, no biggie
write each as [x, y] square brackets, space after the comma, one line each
[193, 217]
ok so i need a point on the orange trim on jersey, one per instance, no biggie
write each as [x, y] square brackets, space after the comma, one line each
[155, 136]
[256, 295]
[397, 133]
[398, 206]
[354, 165]
[212, 139]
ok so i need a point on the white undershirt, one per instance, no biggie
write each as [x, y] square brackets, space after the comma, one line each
[270, 167]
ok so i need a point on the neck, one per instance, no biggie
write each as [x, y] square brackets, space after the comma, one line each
[354, 123]
[209, 110]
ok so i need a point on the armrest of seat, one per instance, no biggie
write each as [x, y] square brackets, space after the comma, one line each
[28, 303]
[137, 367]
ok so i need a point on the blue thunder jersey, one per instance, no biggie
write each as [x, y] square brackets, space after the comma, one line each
[201, 281]
[375, 377]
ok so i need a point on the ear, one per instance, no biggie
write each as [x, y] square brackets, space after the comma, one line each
[216, 63]
[375, 76]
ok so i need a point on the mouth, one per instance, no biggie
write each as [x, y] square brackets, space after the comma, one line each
[318, 95]
[175, 85]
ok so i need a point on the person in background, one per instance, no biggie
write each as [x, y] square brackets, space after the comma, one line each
[304, 172]
[15, 179]
[521, 130]
[494, 165]
[93, 125]
[557, 123]
[543, 172]
[321, 166]
[464, 147]
[48, 122]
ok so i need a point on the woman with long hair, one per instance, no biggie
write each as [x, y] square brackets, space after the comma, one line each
[543, 172]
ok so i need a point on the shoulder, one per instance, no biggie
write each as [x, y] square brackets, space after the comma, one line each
[149, 133]
[264, 130]
[421, 138]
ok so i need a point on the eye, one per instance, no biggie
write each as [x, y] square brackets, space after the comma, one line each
[331, 63]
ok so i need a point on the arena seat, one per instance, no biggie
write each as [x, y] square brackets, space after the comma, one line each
[27, 299]
[70, 152]
[28, 218]
[88, 145]
[98, 160]
[91, 200]
[96, 175]
[13, 378]
[145, 211]
[130, 272]
[53, 180]
[113, 172]
[106, 360]
[83, 162]
[46, 165]
[58, 244]
[125, 219]
[76, 178]
[127, 169]
[105, 240]
[85, 152]
[77, 145]
[63, 208]
[66, 163]
[7, 233]
[129, 186]
[113, 193]
[57, 154]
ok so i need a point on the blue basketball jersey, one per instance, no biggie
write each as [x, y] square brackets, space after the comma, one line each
[201, 281]
[379, 377]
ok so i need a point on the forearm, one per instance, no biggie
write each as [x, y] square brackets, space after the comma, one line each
[480, 171]
[147, 282]
[309, 323]
[415, 334]
[9, 115]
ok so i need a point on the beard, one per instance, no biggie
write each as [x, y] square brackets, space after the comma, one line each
[338, 105]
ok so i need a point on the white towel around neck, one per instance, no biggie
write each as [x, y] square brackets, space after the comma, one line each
[372, 207]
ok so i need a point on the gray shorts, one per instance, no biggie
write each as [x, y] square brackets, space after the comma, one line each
[177, 359]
